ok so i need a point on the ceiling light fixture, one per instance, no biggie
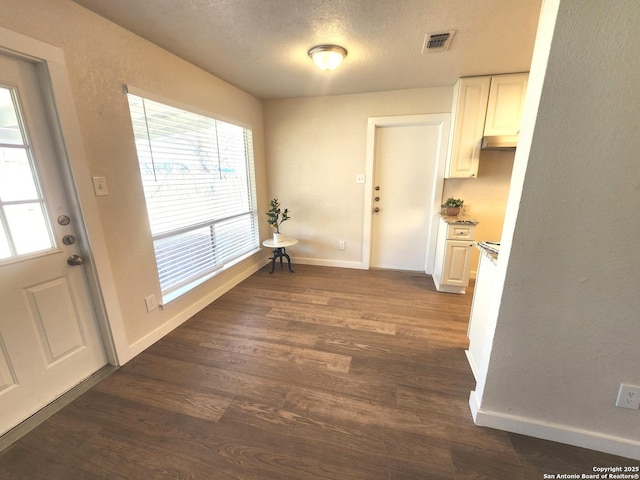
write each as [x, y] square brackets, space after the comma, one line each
[327, 57]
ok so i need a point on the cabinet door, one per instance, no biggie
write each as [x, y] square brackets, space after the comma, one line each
[456, 263]
[506, 102]
[469, 108]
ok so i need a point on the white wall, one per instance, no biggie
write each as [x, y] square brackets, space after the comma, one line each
[315, 147]
[101, 58]
[567, 326]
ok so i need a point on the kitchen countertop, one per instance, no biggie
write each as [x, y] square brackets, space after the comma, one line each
[459, 220]
[489, 250]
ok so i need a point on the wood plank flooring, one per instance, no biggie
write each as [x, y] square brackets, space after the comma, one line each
[322, 374]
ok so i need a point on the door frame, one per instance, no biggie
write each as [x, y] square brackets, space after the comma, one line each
[55, 87]
[441, 120]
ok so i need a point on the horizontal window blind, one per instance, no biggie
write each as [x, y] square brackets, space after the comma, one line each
[198, 179]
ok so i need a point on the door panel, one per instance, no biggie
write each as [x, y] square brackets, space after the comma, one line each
[404, 170]
[49, 337]
[55, 315]
[456, 271]
[7, 376]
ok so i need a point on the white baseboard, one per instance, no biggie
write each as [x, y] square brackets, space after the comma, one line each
[155, 335]
[472, 364]
[328, 263]
[474, 405]
[623, 447]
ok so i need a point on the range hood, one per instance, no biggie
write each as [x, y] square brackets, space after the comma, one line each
[500, 142]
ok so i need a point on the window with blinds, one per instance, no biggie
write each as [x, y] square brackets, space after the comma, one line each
[198, 179]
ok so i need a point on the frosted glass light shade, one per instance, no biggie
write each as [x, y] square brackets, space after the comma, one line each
[327, 57]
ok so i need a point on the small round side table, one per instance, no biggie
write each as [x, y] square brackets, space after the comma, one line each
[279, 251]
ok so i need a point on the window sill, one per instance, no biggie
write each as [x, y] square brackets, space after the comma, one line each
[178, 292]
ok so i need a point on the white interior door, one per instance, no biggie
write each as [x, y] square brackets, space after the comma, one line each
[405, 173]
[49, 338]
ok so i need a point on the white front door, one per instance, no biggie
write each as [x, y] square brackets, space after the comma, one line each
[49, 338]
[405, 172]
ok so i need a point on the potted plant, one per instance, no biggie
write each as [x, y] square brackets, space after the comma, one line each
[276, 217]
[453, 206]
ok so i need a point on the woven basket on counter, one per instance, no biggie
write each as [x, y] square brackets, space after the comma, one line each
[453, 211]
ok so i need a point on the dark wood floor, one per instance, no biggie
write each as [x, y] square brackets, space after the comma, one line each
[321, 374]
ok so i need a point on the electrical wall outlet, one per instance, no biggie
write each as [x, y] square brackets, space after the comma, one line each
[151, 303]
[361, 178]
[628, 396]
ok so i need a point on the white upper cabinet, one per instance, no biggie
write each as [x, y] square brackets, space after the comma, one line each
[506, 102]
[470, 97]
[482, 106]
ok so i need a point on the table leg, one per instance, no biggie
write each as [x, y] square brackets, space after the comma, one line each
[280, 252]
[273, 260]
[284, 254]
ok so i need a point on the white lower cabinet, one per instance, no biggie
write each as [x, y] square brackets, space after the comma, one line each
[480, 331]
[453, 255]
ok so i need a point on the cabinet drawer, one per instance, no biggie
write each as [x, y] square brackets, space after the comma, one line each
[461, 232]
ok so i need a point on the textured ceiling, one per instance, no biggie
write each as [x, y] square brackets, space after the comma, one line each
[261, 46]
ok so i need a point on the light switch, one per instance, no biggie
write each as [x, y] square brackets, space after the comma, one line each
[100, 186]
[360, 178]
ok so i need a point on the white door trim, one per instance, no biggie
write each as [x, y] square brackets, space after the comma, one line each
[51, 67]
[443, 121]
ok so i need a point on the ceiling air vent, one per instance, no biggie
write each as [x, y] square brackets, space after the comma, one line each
[437, 42]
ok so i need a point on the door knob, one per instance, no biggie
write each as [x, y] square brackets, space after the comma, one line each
[75, 260]
[377, 199]
[376, 210]
[377, 187]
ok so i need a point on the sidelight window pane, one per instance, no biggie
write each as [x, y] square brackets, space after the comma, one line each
[5, 251]
[9, 126]
[24, 227]
[28, 227]
[16, 176]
